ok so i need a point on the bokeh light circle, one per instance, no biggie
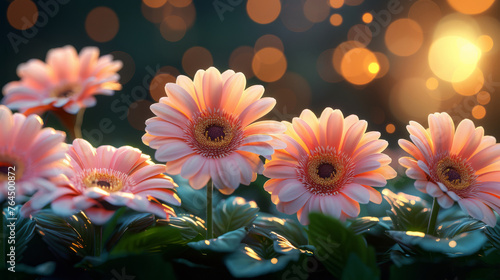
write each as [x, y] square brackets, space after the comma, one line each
[404, 37]
[470, 7]
[263, 11]
[196, 58]
[356, 66]
[269, 64]
[22, 14]
[102, 24]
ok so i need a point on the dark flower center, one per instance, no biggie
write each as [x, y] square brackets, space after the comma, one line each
[4, 169]
[103, 184]
[215, 133]
[326, 170]
[452, 175]
[66, 93]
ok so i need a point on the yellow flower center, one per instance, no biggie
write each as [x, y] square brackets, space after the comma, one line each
[66, 90]
[105, 179]
[214, 132]
[455, 174]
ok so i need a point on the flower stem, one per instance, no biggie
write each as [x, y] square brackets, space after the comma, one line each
[431, 229]
[210, 191]
[78, 123]
[97, 240]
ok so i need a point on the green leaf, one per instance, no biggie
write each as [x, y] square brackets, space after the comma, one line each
[226, 243]
[454, 228]
[189, 225]
[334, 243]
[127, 222]
[407, 212]
[67, 237]
[463, 244]
[232, 214]
[493, 235]
[363, 224]
[356, 269]
[153, 240]
[24, 231]
[290, 229]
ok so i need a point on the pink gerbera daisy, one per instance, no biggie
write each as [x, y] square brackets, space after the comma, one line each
[67, 81]
[204, 129]
[461, 165]
[106, 178]
[329, 165]
[31, 157]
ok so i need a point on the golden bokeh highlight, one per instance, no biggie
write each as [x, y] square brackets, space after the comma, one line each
[367, 18]
[360, 33]
[452, 244]
[336, 4]
[154, 3]
[390, 128]
[102, 24]
[355, 66]
[373, 68]
[341, 50]
[483, 97]
[157, 85]
[196, 58]
[173, 28]
[138, 113]
[292, 93]
[274, 260]
[187, 13]
[240, 60]
[478, 112]
[472, 85]
[180, 3]
[22, 14]
[453, 58]
[409, 100]
[324, 66]
[269, 40]
[316, 10]
[336, 19]
[484, 43]
[293, 18]
[426, 13]
[470, 7]
[432, 83]
[383, 63]
[154, 15]
[404, 37]
[269, 64]
[263, 11]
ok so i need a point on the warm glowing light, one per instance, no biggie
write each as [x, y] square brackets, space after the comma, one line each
[335, 19]
[251, 253]
[426, 13]
[157, 85]
[415, 233]
[196, 58]
[154, 3]
[383, 63]
[173, 28]
[263, 11]
[355, 66]
[390, 128]
[367, 18]
[22, 14]
[341, 50]
[409, 100]
[483, 97]
[336, 4]
[404, 37]
[269, 40]
[154, 15]
[478, 112]
[292, 91]
[316, 10]
[452, 244]
[269, 64]
[453, 58]
[432, 83]
[360, 33]
[102, 24]
[207, 242]
[470, 7]
[485, 43]
[274, 260]
[240, 60]
[373, 68]
[472, 85]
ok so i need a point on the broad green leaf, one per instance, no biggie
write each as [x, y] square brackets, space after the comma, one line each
[454, 228]
[290, 229]
[407, 212]
[226, 243]
[363, 224]
[67, 237]
[232, 214]
[127, 222]
[463, 244]
[189, 225]
[24, 230]
[493, 235]
[334, 243]
[152, 240]
[193, 201]
[355, 269]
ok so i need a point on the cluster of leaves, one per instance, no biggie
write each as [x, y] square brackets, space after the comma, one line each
[248, 243]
